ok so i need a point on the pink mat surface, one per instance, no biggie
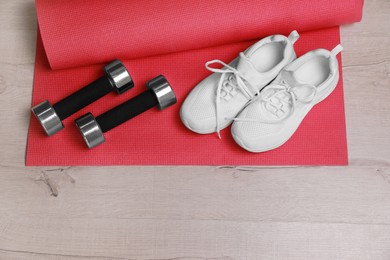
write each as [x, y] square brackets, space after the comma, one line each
[176, 38]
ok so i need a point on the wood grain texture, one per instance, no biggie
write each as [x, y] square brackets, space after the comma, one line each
[366, 68]
[197, 213]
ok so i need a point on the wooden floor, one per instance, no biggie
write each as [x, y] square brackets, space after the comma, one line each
[195, 213]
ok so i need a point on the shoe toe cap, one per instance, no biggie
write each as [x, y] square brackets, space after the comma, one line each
[198, 109]
[197, 125]
[255, 136]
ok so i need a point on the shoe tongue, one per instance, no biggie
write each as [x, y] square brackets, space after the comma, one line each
[248, 71]
[289, 78]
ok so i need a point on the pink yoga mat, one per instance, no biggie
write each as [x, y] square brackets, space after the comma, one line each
[176, 38]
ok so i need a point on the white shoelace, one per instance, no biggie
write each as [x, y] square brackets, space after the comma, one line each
[276, 102]
[227, 85]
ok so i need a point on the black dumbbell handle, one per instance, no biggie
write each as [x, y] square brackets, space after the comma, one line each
[83, 97]
[127, 110]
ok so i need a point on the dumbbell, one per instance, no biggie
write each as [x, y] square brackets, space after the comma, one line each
[50, 116]
[159, 93]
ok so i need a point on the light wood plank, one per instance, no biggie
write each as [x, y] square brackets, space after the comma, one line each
[15, 100]
[366, 60]
[194, 213]
[192, 239]
[357, 195]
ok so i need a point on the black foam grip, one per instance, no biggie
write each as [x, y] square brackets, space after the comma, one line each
[127, 110]
[83, 97]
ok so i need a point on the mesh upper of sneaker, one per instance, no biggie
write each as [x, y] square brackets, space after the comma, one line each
[272, 119]
[200, 109]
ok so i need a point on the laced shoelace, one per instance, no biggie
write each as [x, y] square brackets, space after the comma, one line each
[229, 84]
[276, 103]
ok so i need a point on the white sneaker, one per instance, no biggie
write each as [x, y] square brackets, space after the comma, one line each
[213, 103]
[276, 113]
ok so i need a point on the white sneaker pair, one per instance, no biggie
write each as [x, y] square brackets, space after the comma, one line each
[262, 120]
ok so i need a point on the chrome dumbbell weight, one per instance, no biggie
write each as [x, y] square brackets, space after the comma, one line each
[159, 94]
[50, 116]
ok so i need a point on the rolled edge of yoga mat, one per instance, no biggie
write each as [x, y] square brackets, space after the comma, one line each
[79, 33]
